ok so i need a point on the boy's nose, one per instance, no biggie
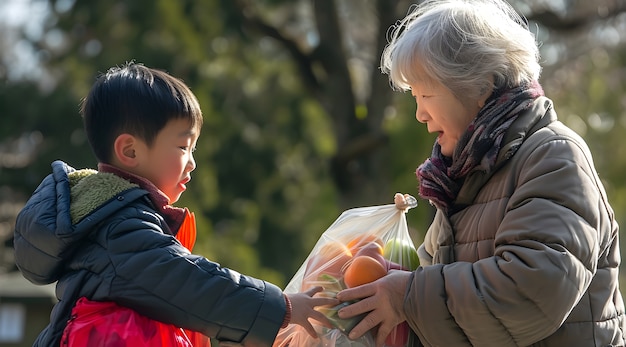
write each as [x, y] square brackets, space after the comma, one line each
[191, 163]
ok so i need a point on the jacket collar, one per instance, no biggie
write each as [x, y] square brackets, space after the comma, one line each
[174, 216]
[538, 116]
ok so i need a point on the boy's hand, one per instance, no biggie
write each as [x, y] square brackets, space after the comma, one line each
[303, 307]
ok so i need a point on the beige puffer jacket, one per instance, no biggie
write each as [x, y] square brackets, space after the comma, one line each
[531, 259]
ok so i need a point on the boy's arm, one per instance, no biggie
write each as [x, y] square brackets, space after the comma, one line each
[159, 278]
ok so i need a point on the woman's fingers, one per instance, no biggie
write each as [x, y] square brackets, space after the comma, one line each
[357, 308]
[383, 331]
[369, 322]
[356, 293]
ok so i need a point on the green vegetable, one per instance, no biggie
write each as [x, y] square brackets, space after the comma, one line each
[345, 325]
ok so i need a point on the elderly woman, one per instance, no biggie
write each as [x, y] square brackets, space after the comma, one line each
[523, 249]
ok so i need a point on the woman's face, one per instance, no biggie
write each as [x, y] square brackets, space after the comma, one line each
[444, 113]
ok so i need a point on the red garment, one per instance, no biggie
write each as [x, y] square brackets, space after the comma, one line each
[187, 232]
[106, 324]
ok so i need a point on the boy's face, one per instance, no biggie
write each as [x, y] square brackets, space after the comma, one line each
[169, 161]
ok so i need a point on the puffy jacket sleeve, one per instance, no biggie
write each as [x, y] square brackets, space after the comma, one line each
[43, 230]
[546, 250]
[156, 276]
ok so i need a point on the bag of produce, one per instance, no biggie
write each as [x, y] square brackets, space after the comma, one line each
[361, 246]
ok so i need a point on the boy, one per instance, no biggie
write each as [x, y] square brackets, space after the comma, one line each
[112, 235]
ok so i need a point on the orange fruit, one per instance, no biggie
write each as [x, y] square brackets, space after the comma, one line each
[363, 269]
[374, 250]
[329, 259]
[356, 243]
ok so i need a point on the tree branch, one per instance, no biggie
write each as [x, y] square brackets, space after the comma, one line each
[304, 62]
[554, 21]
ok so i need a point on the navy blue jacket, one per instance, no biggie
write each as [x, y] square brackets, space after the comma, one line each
[104, 237]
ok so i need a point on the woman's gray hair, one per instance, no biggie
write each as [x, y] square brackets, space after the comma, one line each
[466, 45]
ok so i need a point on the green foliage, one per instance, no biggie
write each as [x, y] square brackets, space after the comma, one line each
[35, 129]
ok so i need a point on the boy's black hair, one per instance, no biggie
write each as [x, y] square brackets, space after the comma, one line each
[136, 100]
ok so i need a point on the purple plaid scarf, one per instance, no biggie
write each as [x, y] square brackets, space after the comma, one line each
[440, 177]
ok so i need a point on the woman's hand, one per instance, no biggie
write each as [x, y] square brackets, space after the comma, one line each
[303, 307]
[383, 299]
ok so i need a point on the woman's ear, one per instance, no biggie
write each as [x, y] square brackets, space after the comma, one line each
[124, 150]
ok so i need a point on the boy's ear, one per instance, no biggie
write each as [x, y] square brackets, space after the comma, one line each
[124, 150]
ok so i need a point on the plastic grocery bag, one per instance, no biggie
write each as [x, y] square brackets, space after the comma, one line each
[362, 245]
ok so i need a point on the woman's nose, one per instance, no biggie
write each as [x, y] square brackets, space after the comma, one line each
[421, 115]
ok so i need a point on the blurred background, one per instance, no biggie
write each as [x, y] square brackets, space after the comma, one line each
[299, 122]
